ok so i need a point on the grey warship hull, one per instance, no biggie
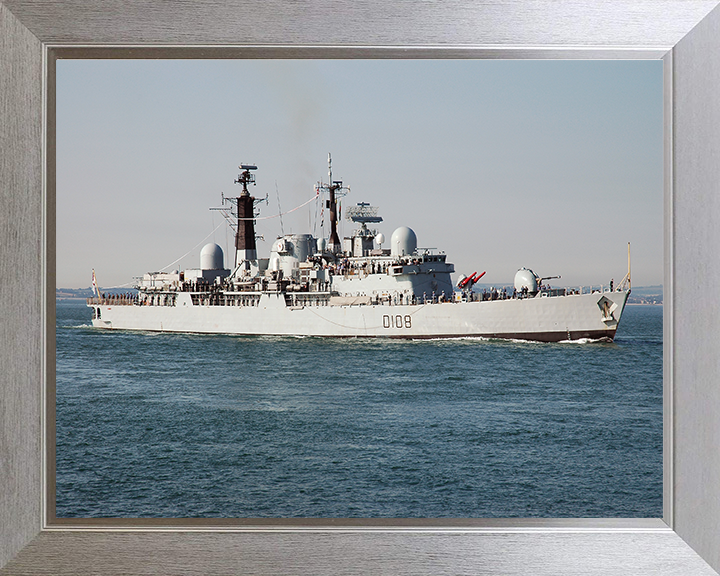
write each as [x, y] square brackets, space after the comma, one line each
[355, 288]
[593, 316]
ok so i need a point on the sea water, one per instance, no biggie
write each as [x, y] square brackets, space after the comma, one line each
[190, 425]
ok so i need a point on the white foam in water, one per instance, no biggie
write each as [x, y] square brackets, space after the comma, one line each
[585, 341]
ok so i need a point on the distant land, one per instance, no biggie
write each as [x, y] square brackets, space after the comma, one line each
[638, 295]
[646, 295]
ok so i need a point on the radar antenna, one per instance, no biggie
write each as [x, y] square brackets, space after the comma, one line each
[363, 214]
[246, 177]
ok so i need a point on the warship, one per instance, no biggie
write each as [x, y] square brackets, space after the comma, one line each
[323, 287]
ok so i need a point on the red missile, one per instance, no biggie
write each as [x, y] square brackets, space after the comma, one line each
[466, 280]
[478, 278]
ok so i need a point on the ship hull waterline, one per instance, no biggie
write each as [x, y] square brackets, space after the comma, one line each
[594, 316]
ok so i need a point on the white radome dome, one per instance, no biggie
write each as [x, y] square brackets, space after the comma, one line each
[380, 238]
[211, 257]
[403, 242]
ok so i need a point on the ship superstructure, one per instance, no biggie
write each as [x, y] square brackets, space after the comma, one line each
[324, 287]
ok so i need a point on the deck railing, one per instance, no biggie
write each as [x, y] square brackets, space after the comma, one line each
[112, 301]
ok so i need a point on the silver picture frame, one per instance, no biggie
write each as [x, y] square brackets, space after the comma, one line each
[684, 34]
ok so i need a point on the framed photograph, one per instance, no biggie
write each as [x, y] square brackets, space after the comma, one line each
[681, 37]
[555, 164]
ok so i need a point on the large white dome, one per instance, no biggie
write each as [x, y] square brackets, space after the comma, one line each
[403, 242]
[211, 257]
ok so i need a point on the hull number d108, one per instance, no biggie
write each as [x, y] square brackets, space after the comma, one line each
[397, 321]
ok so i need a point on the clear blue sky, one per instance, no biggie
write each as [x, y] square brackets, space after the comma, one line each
[551, 165]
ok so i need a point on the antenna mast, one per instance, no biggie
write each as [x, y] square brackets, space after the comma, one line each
[245, 246]
[241, 217]
[335, 190]
[625, 282]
